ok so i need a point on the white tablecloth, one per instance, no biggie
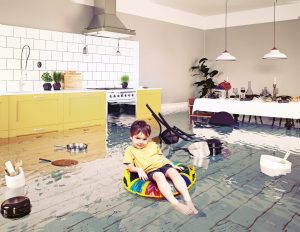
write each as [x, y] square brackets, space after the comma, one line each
[254, 107]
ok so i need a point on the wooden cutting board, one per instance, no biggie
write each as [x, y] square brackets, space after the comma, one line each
[72, 80]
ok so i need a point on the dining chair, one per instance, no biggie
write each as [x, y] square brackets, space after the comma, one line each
[194, 115]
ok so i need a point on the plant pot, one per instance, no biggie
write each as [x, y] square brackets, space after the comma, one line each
[47, 86]
[124, 85]
[56, 86]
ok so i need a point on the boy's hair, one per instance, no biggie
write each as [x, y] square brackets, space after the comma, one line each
[140, 126]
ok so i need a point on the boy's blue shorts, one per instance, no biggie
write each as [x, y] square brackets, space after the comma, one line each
[162, 169]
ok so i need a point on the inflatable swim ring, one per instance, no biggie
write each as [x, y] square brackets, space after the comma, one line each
[133, 184]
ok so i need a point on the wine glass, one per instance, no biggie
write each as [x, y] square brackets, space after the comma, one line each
[243, 90]
[236, 92]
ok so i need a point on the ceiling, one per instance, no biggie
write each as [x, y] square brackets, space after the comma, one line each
[215, 7]
[207, 14]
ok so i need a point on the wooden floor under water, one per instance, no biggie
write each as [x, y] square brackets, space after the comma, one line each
[230, 192]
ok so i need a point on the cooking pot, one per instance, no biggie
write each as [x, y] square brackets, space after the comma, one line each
[215, 146]
[74, 147]
[16, 207]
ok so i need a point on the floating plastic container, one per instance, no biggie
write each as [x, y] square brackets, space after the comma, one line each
[274, 166]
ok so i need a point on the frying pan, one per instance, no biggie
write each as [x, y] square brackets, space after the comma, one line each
[74, 147]
[61, 162]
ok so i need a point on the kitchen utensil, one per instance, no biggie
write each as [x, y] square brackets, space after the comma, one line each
[16, 207]
[61, 162]
[10, 168]
[18, 164]
[285, 157]
[74, 147]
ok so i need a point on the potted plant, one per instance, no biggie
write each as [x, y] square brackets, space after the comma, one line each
[124, 81]
[206, 82]
[57, 80]
[46, 77]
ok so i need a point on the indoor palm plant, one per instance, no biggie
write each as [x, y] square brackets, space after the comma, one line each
[57, 80]
[47, 78]
[206, 83]
[124, 81]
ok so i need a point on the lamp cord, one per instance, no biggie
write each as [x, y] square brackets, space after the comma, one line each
[226, 26]
[274, 21]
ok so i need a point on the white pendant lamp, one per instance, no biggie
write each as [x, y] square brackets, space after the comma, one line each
[274, 53]
[226, 56]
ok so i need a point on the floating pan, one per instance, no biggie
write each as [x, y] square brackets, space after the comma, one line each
[73, 147]
[61, 162]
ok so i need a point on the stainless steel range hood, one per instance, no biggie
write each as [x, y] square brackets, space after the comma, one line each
[105, 22]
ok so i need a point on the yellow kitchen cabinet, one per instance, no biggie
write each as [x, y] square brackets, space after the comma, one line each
[84, 109]
[152, 97]
[3, 117]
[35, 113]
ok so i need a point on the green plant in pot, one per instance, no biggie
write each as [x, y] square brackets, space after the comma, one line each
[47, 78]
[206, 83]
[57, 80]
[124, 81]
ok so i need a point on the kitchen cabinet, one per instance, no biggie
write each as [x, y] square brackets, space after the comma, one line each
[35, 113]
[3, 117]
[84, 109]
[147, 96]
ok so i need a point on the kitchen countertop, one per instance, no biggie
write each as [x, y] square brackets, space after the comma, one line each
[68, 91]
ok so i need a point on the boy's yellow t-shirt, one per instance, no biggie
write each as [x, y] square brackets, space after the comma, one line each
[148, 158]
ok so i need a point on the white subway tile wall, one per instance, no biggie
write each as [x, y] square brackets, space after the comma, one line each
[60, 51]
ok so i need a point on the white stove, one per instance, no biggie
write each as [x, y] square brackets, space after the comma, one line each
[119, 95]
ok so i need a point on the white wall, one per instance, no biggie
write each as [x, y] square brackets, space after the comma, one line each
[60, 51]
[249, 44]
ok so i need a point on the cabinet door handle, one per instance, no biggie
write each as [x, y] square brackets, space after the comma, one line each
[38, 129]
[37, 97]
[85, 94]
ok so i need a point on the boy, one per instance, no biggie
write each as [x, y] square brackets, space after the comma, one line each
[147, 160]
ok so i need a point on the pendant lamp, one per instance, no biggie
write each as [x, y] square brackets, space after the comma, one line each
[226, 56]
[274, 53]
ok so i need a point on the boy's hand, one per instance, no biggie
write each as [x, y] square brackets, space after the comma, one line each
[178, 168]
[142, 174]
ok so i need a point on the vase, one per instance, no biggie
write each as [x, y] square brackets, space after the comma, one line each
[56, 86]
[249, 91]
[124, 85]
[47, 86]
[226, 94]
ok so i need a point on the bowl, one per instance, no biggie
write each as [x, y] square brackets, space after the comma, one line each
[274, 166]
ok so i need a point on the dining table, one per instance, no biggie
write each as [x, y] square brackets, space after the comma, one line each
[256, 107]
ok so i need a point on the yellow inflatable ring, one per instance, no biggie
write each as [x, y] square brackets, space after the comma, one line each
[133, 184]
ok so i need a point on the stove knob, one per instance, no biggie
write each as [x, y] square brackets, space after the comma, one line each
[131, 94]
[121, 95]
[118, 96]
[125, 95]
[110, 96]
[114, 95]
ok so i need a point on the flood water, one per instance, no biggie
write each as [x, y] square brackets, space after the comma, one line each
[231, 193]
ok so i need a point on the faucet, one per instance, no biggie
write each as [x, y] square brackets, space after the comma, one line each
[21, 79]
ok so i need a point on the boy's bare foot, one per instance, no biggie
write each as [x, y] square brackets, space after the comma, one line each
[182, 208]
[191, 206]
